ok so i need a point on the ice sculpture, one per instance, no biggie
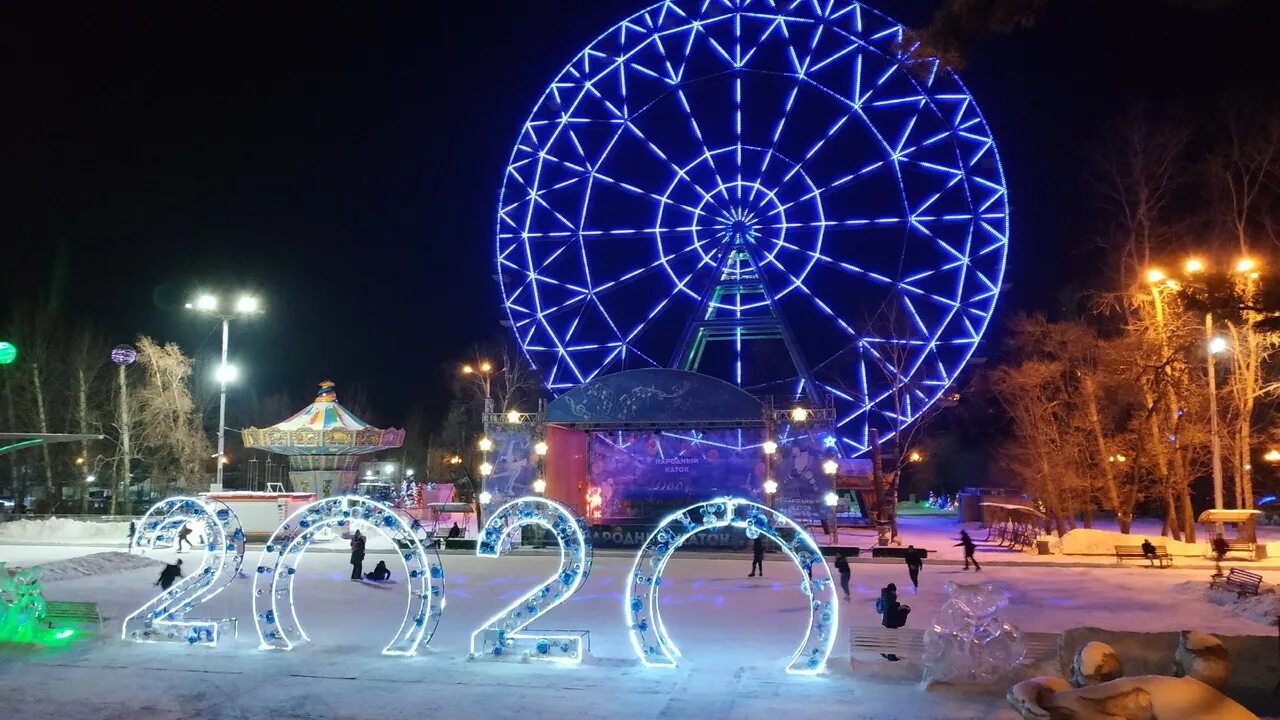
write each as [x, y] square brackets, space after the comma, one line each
[968, 641]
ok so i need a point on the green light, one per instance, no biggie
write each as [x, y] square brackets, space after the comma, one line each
[8, 352]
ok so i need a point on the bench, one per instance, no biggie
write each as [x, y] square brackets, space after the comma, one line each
[1237, 546]
[896, 552]
[1134, 552]
[72, 612]
[1241, 582]
[908, 644]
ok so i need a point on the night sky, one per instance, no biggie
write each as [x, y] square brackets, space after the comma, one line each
[344, 161]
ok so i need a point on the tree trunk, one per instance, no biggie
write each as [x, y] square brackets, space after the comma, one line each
[83, 411]
[51, 500]
[1089, 396]
[126, 452]
[18, 480]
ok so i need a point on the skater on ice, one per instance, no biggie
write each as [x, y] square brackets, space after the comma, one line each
[380, 572]
[967, 543]
[757, 556]
[184, 536]
[169, 574]
[357, 556]
[842, 567]
[915, 561]
[893, 614]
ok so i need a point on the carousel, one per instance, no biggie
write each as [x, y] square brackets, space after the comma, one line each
[324, 443]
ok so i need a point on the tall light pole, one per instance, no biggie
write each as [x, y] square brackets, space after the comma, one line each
[1214, 345]
[483, 370]
[245, 305]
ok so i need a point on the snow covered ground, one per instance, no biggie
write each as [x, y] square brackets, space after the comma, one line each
[736, 634]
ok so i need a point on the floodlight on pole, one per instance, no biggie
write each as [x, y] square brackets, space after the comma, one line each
[539, 486]
[247, 305]
[1246, 265]
[799, 414]
[831, 499]
[770, 486]
[830, 467]
[226, 374]
[1194, 265]
[1217, 345]
[1155, 276]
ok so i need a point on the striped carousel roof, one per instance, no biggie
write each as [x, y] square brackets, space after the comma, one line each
[324, 427]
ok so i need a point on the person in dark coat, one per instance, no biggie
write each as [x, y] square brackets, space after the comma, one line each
[1149, 551]
[915, 561]
[380, 572]
[357, 556]
[455, 532]
[967, 543]
[184, 536]
[842, 567]
[169, 574]
[893, 614]
[1219, 546]
[757, 556]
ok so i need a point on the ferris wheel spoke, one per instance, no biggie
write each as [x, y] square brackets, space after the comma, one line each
[800, 69]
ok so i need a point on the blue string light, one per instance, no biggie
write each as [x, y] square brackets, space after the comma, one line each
[867, 184]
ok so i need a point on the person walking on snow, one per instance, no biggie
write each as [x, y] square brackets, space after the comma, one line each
[757, 556]
[357, 556]
[183, 536]
[842, 567]
[169, 574]
[133, 530]
[967, 543]
[915, 561]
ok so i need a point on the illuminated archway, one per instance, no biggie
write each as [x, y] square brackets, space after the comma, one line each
[164, 617]
[273, 610]
[643, 610]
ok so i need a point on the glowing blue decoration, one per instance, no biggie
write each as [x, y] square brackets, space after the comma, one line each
[643, 612]
[504, 631]
[752, 171]
[277, 622]
[163, 618]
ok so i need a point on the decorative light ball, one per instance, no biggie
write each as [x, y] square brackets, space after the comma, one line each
[539, 486]
[123, 355]
[540, 448]
[830, 467]
[486, 444]
[8, 352]
[486, 497]
[831, 499]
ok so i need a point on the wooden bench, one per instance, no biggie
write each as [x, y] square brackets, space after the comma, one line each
[1239, 546]
[72, 612]
[908, 643]
[1241, 582]
[1134, 552]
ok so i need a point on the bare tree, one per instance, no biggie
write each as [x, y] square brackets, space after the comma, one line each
[171, 437]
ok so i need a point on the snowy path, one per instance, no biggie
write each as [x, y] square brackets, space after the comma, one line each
[736, 634]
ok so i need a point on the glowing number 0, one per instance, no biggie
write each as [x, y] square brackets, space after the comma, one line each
[164, 617]
[501, 635]
[644, 613]
[277, 621]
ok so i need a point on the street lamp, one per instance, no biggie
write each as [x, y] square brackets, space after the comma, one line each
[1272, 456]
[1194, 265]
[485, 372]
[245, 305]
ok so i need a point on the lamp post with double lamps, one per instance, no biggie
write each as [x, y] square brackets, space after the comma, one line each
[244, 306]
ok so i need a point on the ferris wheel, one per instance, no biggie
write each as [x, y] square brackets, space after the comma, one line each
[768, 191]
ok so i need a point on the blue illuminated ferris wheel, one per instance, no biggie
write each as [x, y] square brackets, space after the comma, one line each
[768, 191]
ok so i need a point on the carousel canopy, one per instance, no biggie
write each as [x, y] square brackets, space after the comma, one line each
[324, 427]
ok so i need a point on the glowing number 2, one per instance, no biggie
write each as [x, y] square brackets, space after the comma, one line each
[649, 636]
[273, 611]
[164, 617]
[501, 636]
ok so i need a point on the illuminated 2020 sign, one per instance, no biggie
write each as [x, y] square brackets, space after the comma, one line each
[503, 636]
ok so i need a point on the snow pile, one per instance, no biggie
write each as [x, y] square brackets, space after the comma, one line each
[96, 564]
[1144, 696]
[64, 530]
[1083, 541]
[1263, 607]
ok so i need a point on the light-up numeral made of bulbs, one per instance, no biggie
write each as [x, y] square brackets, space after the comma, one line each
[643, 610]
[502, 635]
[273, 609]
[164, 617]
